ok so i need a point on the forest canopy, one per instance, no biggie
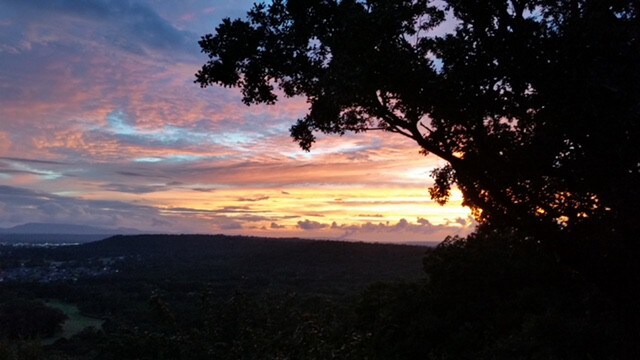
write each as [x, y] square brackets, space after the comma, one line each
[534, 105]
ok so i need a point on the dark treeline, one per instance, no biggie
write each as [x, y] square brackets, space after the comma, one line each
[199, 297]
[190, 296]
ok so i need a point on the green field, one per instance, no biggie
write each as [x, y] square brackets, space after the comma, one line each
[76, 322]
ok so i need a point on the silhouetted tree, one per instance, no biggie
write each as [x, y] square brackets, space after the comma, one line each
[493, 296]
[534, 104]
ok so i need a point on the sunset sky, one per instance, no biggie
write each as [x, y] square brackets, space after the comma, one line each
[101, 124]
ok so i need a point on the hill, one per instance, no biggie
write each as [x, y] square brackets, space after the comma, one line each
[55, 233]
[259, 263]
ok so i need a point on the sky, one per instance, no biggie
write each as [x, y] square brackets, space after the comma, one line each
[101, 124]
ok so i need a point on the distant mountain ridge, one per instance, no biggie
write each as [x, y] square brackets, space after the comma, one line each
[52, 233]
[55, 228]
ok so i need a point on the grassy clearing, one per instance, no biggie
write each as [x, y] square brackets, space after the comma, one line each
[76, 322]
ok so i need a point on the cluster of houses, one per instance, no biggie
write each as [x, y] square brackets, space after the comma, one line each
[58, 271]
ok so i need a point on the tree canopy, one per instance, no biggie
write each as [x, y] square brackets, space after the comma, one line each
[534, 104]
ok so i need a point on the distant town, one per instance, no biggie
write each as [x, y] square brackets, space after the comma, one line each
[58, 271]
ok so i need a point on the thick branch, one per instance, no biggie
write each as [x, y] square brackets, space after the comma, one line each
[411, 131]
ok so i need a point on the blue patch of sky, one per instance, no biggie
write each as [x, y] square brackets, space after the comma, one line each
[124, 126]
[50, 175]
[66, 193]
[179, 158]
[148, 159]
[120, 124]
[43, 174]
[345, 148]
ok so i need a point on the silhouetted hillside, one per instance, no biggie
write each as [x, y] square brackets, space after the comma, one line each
[41, 233]
[50, 238]
[259, 263]
[222, 245]
[52, 228]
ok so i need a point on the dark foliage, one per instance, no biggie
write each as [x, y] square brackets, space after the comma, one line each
[320, 267]
[534, 104]
[20, 319]
[490, 296]
[202, 297]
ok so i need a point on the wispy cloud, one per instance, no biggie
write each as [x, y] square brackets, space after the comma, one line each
[131, 26]
[31, 161]
[21, 205]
